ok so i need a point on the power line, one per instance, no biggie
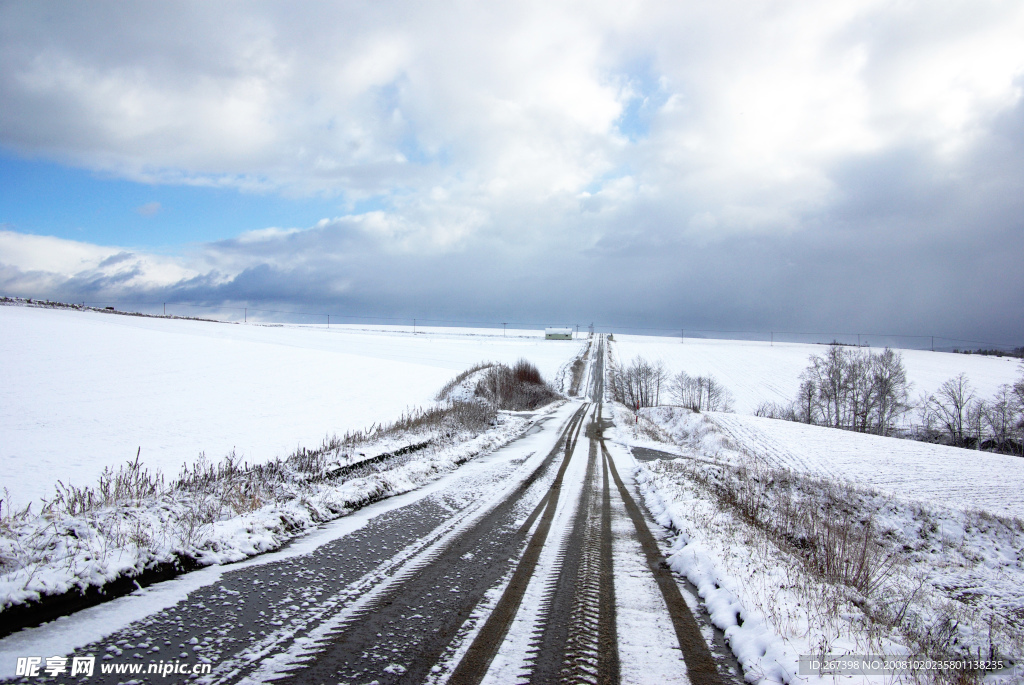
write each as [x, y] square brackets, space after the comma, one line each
[417, 321]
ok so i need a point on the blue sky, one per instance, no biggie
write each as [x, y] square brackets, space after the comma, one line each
[46, 198]
[833, 167]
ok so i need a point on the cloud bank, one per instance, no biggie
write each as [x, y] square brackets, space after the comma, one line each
[787, 164]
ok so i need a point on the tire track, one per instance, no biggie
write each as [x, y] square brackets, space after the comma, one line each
[700, 665]
[401, 634]
[475, 662]
[575, 640]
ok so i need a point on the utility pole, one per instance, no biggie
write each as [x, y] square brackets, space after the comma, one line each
[245, 316]
[165, 309]
[577, 330]
[414, 326]
[682, 336]
[328, 320]
[933, 343]
[503, 324]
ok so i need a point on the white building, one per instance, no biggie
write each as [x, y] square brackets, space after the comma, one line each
[558, 333]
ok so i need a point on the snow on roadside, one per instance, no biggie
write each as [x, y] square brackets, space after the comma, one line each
[739, 579]
[956, 583]
[56, 553]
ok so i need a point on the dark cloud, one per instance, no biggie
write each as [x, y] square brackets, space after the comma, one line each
[812, 167]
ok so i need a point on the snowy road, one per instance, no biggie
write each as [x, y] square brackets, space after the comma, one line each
[531, 564]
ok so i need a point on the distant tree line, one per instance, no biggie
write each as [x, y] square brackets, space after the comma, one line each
[1017, 352]
[849, 388]
[642, 384]
[868, 392]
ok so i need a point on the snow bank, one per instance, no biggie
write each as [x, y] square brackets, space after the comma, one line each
[57, 552]
[954, 584]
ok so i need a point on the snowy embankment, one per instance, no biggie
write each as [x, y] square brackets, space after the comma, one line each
[756, 372]
[218, 515]
[793, 555]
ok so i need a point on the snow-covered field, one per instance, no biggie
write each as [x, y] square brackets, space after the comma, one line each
[80, 391]
[756, 372]
[906, 469]
[84, 390]
[910, 470]
[950, 570]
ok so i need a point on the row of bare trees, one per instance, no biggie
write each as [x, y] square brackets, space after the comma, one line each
[643, 383]
[868, 392]
[956, 415]
[639, 384]
[849, 388]
[854, 389]
[701, 393]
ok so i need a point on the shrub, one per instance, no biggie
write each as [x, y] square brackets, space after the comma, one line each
[519, 388]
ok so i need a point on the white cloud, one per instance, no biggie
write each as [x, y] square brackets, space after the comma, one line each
[503, 106]
[44, 253]
[57, 260]
[503, 128]
[149, 209]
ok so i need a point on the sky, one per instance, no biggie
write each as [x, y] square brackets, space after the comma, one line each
[801, 166]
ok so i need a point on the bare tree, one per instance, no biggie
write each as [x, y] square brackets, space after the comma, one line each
[639, 384]
[701, 393]
[890, 391]
[949, 407]
[854, 389]
[1017, 408]
[975, 424]
[828, 372]
[1001, 416]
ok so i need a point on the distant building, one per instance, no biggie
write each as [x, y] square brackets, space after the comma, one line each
[558, 333]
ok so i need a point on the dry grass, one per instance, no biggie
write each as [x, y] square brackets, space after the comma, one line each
[846, 562]
[239, 487]
[443, 393]
[816, 519]
[516, 388]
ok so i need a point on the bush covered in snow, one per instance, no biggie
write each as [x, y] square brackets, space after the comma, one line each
[134, 520]
[516, 388]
